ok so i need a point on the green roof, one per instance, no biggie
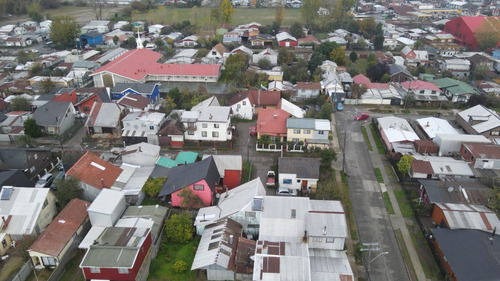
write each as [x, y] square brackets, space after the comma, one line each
[455, 87]
[166, 162]
[186, 157]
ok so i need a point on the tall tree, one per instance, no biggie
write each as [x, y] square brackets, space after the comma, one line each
[97, 6]
[279, 14]
[20, 104]
[235, 64]
[404, 164]
[179, 228]
[338, 55]
[67, 189]
[226, 11]
[31, 128]
[486, 35]
[35, 12]
[153, 186]
[368, 27]
[47, 85]
[309, 11]
[64, 30]
[296, 30]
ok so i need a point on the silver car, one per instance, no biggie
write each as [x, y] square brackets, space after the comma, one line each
[283, 191]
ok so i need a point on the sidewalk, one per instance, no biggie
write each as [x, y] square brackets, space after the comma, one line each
[397, 220]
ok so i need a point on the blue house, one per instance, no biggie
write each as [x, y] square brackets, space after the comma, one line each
[148, 90]
[91, 38]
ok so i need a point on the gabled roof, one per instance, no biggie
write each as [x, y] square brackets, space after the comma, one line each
[220, 48]
[469, 216]
[272, 122]
[105, 114]
[56, 236]
[309, 86]
[443, 166]
[211, 101]
[51, 113]
[455, 87]
[282, 36]
[483, 150]
[309, 39]
[420, 85]
[396, 68]
[94, 171]
[291, 108]
[306, 168]
[185, 175]
[14, 178]
[186, 157]
[134, 101]
[482, 119]
[227, 162]
[3, 105]
[140, 88]
[264, 98]
[173, 127]
[238, 97]
[215, 114]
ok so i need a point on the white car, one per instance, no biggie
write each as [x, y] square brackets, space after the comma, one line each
[283, 191]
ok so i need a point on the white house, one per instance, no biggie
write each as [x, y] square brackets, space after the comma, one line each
[141, 154]
[100, 26]
[329, 66]
[107, 208]
[458, 67]
[189, 41]
[212, 124]
[143, 125]
[301, 174]
[155, 29]
[217, 52]
[268, 54]
[241, 106]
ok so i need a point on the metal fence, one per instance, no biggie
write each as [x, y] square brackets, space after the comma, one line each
[23, 272]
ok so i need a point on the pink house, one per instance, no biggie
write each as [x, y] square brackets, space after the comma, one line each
[201, 177]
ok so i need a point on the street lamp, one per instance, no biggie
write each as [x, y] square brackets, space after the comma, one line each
[380, 254]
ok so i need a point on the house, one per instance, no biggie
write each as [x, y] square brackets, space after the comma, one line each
[94, 174]
[189, 41]
[13, 125]
[488, 87]
[397, 134]
[459, 68]
[91, 38]
[272, 122]
[479, 120]
[55, 117]
[155, 29]
[107, 208]
[469, 191]
[246, 104]
[24, 212]
[301, 174]
[329, 66]
[131, 181]
[291, 108]
[423, 91]
[464, 216]
[307, 90]
[426, 147]
[105, 118]
[481, 155]
[399, 73]
[217, 52]
[464, 29]
[275, 85]
[88, 96]
[230, 169]
[134, 103]
[147, 90]
[141, 66]
[286, 40]
[450, 144]
[142, 127]
[172, 134]
[101, 26]
[436, 167]
[313, 132]
[212, 123]
[431, 126]
[31, 161]
[269, 54]
[54, 243]
[467, 254]
[455, 90]
[308, 40]
[140, 154]
[262, 40]
[240, 204]
[58, 81]
[202, 178]
[217, 249]
[242, 50]
[231, 37]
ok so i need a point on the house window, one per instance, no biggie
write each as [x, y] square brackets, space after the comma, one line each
[238, 106]
[204, 125]
[295, 140]
[214, 53]
[151, 127]
[494, 133]
[287, 181]
[216, 125]
[95, 270]
[298, 180]
[466, 151]
[293, 213]
[244, 102]
[307, 131]
[4, 243]
[321, 132]
[45, 203]
[122, 270]
[296, 131]
[317, 239]
[191, 133]
[49, 261]
[330, 239]
[204, 134]
[215, 134]
[86, 108]
[199, 187]
[95, 100]
[250, 215]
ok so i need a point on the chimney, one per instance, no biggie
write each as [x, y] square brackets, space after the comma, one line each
[231, 239]
[140, 150]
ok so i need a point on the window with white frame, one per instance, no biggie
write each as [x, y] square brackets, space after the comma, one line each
[330, 239]
[296, 131]
[317, 239]
[199, 187]
[122, 270]
[321, 132]
[190, 133]
[215, 134]
[307, 131]
[95, 270]
[204, 134]
[49, 261]
[204, 125]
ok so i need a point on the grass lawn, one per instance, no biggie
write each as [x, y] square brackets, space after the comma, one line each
[162, 266]
[72, 270]
[367, 140]
[264, 16]
[429, 265]
[349, 213]
[361, 64]
[378, 173]
[150, 201]
[403, 203]
[405, 254]
[406, 111]
[10, 266]
[378, 143]
[388, 204]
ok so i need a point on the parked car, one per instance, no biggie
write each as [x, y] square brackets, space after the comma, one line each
[252, 130]
[80, 115]
[271, 179]
[45, 181]
[283, 191]
[340, 107]
[361, 116]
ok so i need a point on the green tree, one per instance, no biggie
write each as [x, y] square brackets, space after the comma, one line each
[190, 200]
[327, 156]
[115, 40]
[285, 56]
[297, 72]
[35, 12]
[160, 43]
[325, 112]
[486, 36]
[226, 11]
[309, 11]
[26, 141]
[378, 42]
[235, 64]
[368, 27]
[31, 128]
[353, 56]
[338, 56]
[264, 63]
[264, 139]
[494, 200]
[169, 104]
[22, 57]
[385, 78]
[67, 188]
[179, 228]
[153, 186]
[331, 191]
[63, 31]
[296, 30]
[47, 85]
[20, 104]
[36, 69]
[279, 14]
[404, 164]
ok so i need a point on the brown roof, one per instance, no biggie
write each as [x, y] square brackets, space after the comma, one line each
[242, 261]
[483, 150]
[3, 104]
[264, 98]
[60, 231]
[220, 48]
[308, 85]
[94, 171]
[134, 100]
[420, 166]
[272, 122]
[403, 10]
[174, 127]
[309, 39]
[238, 97]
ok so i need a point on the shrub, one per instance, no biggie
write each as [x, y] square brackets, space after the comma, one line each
[180, 266]
[179, 228]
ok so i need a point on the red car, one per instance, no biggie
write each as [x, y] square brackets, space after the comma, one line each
[361, 116]
[253, 131]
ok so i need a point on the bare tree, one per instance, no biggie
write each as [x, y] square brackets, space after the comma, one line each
[97, 5]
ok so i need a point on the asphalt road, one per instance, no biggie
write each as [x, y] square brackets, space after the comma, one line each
[372, 218]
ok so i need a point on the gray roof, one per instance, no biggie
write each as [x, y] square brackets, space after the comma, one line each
[470, 253]
[51, 113]
[14, 178]
[155, 213]
[452, 191]
[143, 88]
[300, 123]
[185, 175]
[395, 69]
[160, 171]
[302, 167]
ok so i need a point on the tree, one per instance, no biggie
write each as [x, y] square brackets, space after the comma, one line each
[190, 200]
[338, 55]
[264, 63]
[169, 104]
[331, 191]
[404, 164]
[22, 57]
[226, 11]
[31, 128]
[378, 42]
[179, 228]
[97, 6]
[264, 139]
[385, 78]
[279, 14]
[49, 4]
[35, 69]
[35, 12]
[368, 27]
[20, 104]
[494, 200]
[235, 64]
[115, 40]
[47, 85]
[153, 186]
[309, 11]
[63, 31]
[353, 56]
[26, 141]
[376, 71]
[296, 30]
[285, 56]
[486, 36]
[297, 72]
[357, 90]
[159, 43]
[327, 156]
[325, 112]
[67, 188]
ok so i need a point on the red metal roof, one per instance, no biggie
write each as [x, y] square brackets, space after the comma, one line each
[272, 122]
[264, 98]
[67, 97]
[420, 85]
[309, 85]
[60, 231]
[94, 171]
[136, 64]
[473, 22]
[133, 100]
[483, 150]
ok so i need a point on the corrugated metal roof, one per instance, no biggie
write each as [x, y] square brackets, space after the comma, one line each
[300, 123]
[466, 216]
[483, 118]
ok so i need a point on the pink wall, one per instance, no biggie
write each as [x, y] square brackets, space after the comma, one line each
[206, 195]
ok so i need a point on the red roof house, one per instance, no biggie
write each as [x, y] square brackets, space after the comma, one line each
[309, 39]
[464, 29]
[67, 96]
[272, 122]
[53, 243]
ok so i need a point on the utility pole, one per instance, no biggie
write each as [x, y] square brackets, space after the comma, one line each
[371, 247]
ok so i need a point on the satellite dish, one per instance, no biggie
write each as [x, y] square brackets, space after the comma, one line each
[450, 189]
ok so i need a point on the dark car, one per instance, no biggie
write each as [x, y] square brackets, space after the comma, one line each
[361, 116]
[252, 130]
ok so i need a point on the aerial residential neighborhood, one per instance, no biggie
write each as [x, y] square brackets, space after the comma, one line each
[249, 140]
